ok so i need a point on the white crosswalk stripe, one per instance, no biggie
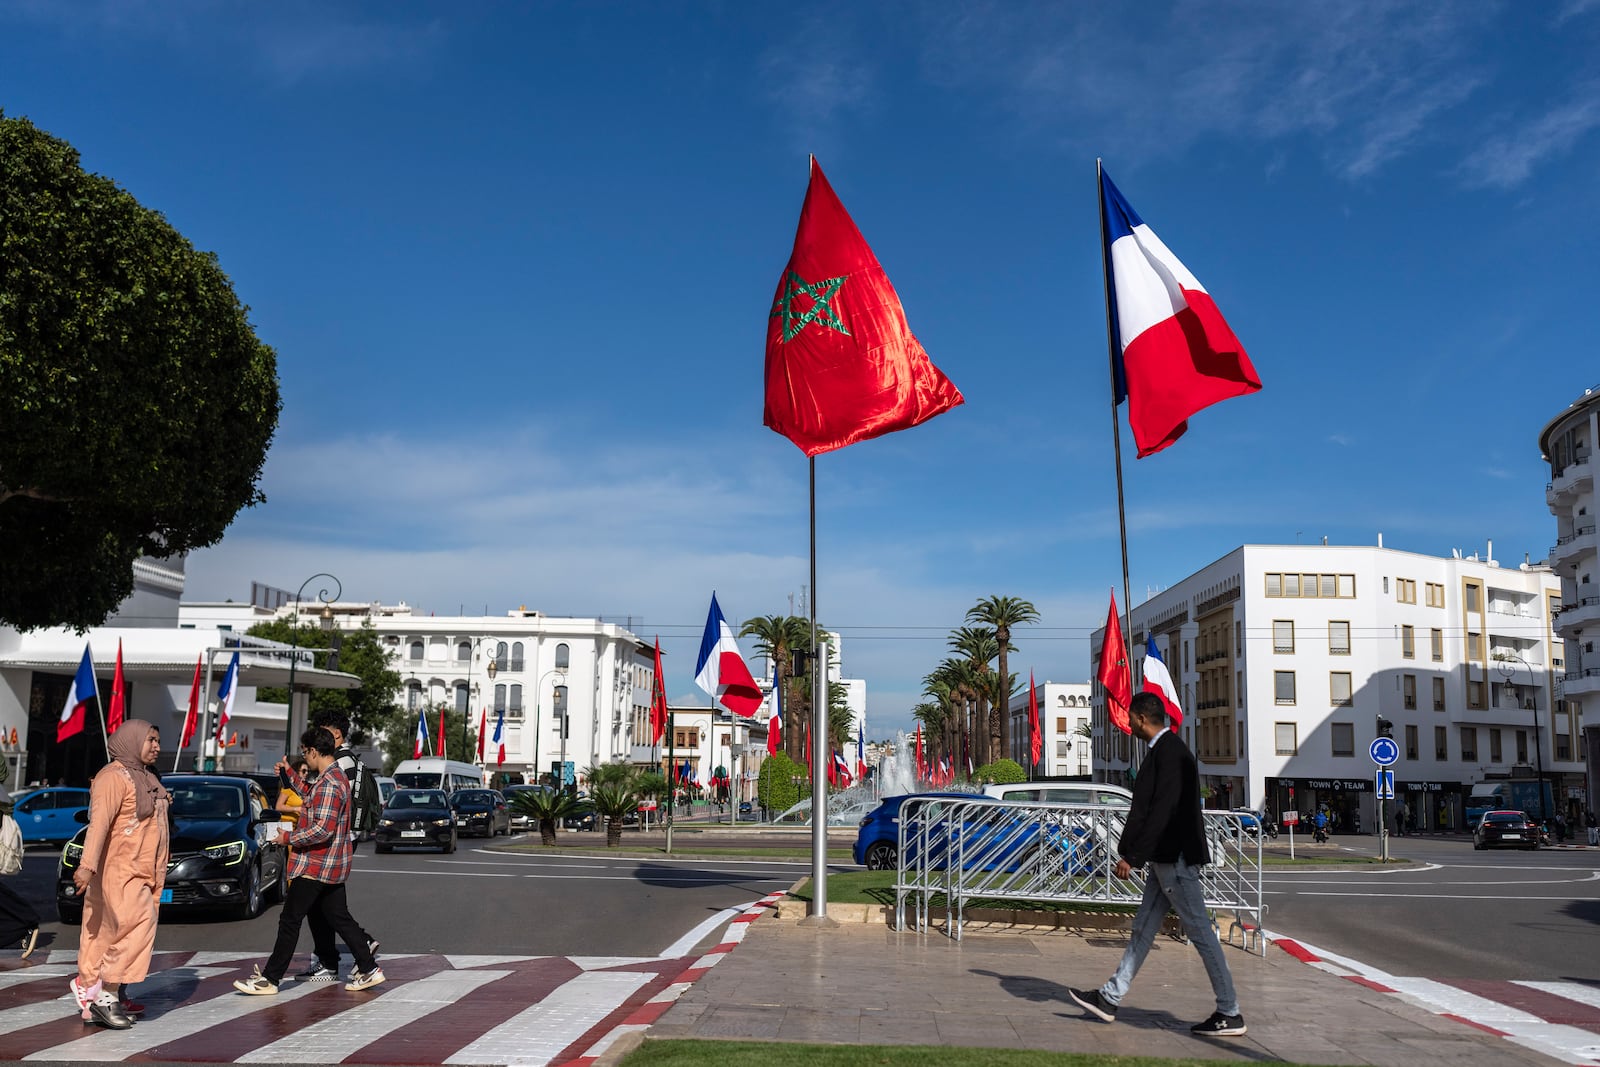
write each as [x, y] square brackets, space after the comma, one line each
[533, 1037]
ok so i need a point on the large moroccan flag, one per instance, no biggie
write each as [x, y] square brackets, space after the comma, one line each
[842, 364]
[1113, 671]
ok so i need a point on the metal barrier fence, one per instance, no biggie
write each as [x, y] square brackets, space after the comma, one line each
[965, 850]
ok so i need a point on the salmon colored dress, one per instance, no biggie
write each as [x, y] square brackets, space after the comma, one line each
[128, 859]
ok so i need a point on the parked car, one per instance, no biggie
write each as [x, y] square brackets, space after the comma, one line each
[1061, 793]
[519, 820]
[1505, 829]
[583, 818]
[386, 787]
[877, 846]
[49, 816]
[226, 852]
[419, 818]
[481, 811]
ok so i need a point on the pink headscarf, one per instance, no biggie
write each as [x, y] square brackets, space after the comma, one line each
[127, 748]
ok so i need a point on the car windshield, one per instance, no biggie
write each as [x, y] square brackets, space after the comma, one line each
[206, 801]
[417, 798]
[474, 798]
[1509, 817]
[417, 780]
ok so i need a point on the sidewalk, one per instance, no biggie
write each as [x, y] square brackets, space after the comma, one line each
[866, 984]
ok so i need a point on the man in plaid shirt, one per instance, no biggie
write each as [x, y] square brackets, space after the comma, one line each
[319, 863]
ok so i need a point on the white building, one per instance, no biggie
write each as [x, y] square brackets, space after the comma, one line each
[703, 740]
[1286, 657]
[1567, 443]
[1064, 710]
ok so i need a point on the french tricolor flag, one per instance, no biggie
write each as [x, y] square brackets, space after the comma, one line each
[422, 747]
[721, 671]
[84, 689]
[1158, 680]
[226, 692]
[1173, 354]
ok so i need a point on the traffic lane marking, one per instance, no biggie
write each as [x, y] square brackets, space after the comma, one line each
[1419, 896]
[687, 878]
[1593, 876]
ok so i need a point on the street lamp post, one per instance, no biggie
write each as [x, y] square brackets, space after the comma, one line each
[538, 706]
[1503, 664]
[294, 642]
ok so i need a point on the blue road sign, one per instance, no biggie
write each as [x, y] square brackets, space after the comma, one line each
[1384, 751]
[1385, 784]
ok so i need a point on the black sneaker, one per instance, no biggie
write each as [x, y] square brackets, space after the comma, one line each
[1219, 1025]
[1092, 1002]
[318, 972]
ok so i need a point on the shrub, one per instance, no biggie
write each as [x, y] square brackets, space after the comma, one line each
[1000, 772]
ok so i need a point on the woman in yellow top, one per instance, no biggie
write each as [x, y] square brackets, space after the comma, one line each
[290, 802]
[120, 874]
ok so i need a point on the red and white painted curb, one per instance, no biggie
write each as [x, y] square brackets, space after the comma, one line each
[653, 1009]
[1559, 1019]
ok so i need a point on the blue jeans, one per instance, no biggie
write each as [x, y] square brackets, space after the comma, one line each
[1174, 887]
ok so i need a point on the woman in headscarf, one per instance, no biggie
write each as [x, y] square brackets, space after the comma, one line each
[120, 875]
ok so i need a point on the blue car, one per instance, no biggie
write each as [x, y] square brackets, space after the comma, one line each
[49, 816]
[878, 841]
[1008, 842]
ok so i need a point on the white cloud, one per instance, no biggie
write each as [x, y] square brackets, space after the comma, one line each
[1508, 158]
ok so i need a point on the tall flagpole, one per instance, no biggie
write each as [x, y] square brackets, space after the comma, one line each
[819, 735]
[1116, 426]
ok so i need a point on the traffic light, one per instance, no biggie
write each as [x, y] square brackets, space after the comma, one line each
[1385, 727]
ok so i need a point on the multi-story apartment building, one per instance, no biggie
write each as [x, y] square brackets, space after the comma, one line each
[1567, 443]
[1064, 712]
[1287, 656]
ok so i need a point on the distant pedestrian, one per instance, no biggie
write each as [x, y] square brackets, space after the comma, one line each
[318, 867]
[1164, 833]
[120, 875]
[1400, 822]
[1593, 827]
[19, 923]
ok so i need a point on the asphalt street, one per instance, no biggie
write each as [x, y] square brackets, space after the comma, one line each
[1454, 914]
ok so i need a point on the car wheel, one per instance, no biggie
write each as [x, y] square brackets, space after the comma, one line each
[882, 856]
[250, 907]
[69, 916]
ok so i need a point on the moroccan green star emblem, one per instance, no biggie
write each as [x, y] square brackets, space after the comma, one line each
[820, 312]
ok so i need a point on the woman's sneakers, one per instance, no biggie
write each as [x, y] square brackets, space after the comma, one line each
[365, 980]
[107, 1012]
[257, 985]
[85, 996]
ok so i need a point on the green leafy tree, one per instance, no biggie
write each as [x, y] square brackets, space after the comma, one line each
[1002, 613]
[371, 707]
[978, 645]
[399, 737]
[1000, 772]
[775, 783]
[779, 637]
[136, 402]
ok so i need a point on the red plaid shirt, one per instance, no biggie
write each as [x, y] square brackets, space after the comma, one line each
[320, 844]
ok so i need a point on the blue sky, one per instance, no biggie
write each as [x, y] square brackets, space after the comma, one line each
[516, 263]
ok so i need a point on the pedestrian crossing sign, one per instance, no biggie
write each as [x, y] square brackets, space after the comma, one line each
[1385, 784]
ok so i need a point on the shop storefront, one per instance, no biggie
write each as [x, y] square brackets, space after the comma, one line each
[1429, 807]
[1348, 802]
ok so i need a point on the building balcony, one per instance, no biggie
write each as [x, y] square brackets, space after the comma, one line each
[1574, 478]
[1581, 683]
[1578, 614]
[1574, 546]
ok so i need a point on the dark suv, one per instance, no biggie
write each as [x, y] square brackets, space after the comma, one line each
[220, 858]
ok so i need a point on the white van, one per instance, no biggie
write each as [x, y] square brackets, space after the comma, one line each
[430, 773]
[1062, 793]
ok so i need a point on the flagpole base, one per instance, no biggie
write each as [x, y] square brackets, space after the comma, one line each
[821, 922]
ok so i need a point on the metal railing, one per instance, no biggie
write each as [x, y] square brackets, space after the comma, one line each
[962, 851]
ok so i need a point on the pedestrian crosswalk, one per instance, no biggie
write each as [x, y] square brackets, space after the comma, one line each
[1558, 1018]
[434, 1009]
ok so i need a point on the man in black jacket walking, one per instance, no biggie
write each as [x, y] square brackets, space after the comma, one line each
[1165, 834]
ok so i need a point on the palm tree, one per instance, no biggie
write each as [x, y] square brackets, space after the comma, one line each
[1002, 613]
[961, 681]
[979, 645]
[547, 807]
[778, 637]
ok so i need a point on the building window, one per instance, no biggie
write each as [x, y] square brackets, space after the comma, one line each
[1339, 691]
[1283, 687]
[1339, 638]
[1063, 749]
[516, 655]
[1411, 742]
[1494, 745]
[1522, 746]
[1475, 647]
[1472, 591]
[1327, 586]
[1436, 641]
[415, 651]
[1408, 690]
[499, 698]
[563, 657]
[1475, 694]
[461, 697]
[1438, 694]
[463, 651]
[1408, 642]
[514, 707]
[1274, 584]
[501, 659]
[1405, 590]
[684, 737]
[1284, 738]
[1563, 747]
[1469, 743]
[1441, 745]
[1344, 738]
[1282, 635]
[1435, 595]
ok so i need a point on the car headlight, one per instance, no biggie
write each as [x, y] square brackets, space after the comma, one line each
[71, 854]
[385, 822]
[229, 854]
[443, 822]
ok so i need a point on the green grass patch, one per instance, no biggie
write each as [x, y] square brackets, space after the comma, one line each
[684, 1053]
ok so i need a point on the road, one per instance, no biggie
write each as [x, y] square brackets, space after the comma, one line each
[1457, 914]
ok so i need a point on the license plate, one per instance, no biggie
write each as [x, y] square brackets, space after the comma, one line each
[166, 896]
[413, 833]
[1513, 837]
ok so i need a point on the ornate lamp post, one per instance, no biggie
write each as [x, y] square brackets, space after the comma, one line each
[1504, 664]
[294, 641]
[538, 704]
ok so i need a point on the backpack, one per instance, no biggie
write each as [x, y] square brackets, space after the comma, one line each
[10, 845]
[367, 800]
